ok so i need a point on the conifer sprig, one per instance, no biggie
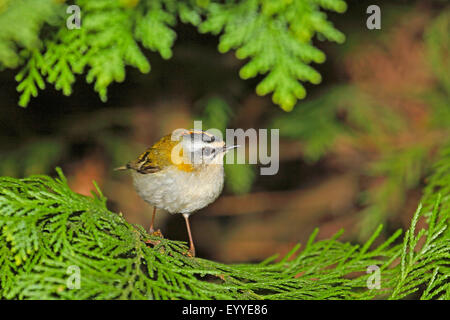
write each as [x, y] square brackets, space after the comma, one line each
[275, 36]
[46, 229]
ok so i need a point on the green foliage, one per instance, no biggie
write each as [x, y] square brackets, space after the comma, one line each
[216, 114]
[357, 117]
[440, 180]
[319, 126]
[401, 171]
[276, 37]
[104, 45]
[438, 47]
[46, 229]
[318, 123]
[20, 22]
[415, 262]
[240, 177]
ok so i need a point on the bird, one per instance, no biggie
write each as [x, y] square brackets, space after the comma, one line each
[181, 173]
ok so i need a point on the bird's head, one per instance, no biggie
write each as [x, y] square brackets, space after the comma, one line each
[201, 148]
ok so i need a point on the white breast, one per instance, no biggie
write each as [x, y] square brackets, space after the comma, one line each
[178, 191]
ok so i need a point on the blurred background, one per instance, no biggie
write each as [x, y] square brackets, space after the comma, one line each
[355, 153]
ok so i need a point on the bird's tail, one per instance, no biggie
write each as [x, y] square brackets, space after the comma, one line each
[125, 167]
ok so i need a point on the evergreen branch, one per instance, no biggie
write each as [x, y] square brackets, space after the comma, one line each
[276, 37]
[439, 182]
[20, 23]
[29, 78]
[48, 229]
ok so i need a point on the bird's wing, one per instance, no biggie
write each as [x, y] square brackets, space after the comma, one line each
[145, 163]
[155, 158]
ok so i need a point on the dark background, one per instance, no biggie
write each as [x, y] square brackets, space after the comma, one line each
[352, 178]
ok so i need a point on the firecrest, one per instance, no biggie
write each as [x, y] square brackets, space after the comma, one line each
[181, 173]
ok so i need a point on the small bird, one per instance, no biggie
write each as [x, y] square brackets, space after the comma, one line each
[181, 173]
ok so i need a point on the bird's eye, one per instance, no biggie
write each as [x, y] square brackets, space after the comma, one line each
[207, 151]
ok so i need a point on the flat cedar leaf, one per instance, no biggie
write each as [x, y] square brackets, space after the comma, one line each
[274, 36]
[48, 230]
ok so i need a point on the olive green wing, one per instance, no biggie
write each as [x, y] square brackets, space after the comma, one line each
[153, 159]
[146, 162]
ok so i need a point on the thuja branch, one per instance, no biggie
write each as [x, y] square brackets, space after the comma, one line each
[46, 228]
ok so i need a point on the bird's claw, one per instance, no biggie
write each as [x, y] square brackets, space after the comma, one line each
[156, 233]
[190, 253]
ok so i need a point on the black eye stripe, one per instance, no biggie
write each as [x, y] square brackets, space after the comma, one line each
[208, 138]
[211, 139]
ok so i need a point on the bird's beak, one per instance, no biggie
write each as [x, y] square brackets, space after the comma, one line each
[228, 148]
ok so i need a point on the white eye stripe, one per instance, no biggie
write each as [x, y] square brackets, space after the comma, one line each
[200, 139]
[202, 136]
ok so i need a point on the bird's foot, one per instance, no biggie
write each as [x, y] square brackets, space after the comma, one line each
[156, 233]
[190, 253]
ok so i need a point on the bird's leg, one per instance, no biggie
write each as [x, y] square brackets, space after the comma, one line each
[153, 221]
[152, 231]
[191, 242]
